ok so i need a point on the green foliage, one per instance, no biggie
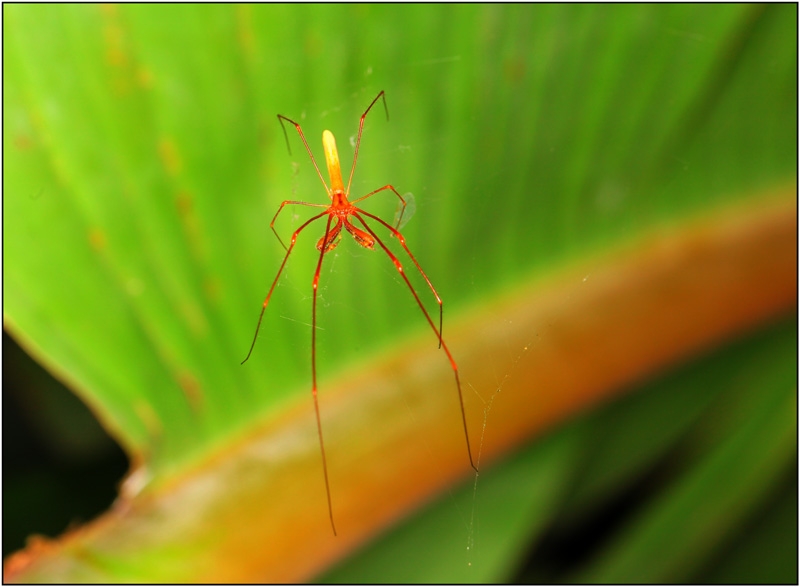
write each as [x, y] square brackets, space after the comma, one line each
[143, 163]
[710, 441]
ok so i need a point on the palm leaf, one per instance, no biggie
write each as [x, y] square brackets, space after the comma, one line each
[602, 192]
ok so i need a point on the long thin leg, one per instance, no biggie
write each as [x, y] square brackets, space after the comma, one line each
[275, 282]
[386, 187]
[402, 240]
[400, 270]
[360, 130]
[281, 117]
[314, 371]
[284, 203]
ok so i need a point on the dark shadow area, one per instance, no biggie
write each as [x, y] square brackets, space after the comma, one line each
[60, 468]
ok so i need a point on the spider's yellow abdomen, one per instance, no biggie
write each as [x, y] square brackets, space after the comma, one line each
[332, 159]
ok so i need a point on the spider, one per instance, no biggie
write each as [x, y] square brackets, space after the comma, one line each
[341, 214]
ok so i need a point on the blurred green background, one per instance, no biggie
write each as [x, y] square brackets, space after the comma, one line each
[143, 162]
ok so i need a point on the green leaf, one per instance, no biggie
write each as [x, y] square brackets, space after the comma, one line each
[558, 156]
[745, 446]
[477, 533]
[554, 484]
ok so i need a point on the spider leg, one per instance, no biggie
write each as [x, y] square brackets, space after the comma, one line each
[275, 282]
[322, 251]
[284, 203]
[442, 344]
[386, 187]
[396, 233]
[360, 130]
[281, 118]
